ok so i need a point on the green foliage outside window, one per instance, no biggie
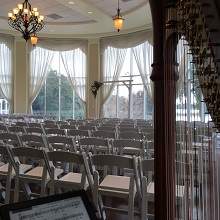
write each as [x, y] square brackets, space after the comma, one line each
[70, 104]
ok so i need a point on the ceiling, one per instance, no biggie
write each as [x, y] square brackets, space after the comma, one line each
[83, 17]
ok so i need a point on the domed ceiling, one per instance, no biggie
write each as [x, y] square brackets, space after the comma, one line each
[83, 17]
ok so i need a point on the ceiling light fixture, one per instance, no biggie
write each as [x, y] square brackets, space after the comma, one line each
[71, 3]
[26, 19]
[118, 20]
[90, 12]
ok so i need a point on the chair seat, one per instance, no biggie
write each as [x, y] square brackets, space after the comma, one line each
[72, 177]
[23, 168]
[117, 183]
[180, 191]
[4, 168]
[1, 164]
[37, 172]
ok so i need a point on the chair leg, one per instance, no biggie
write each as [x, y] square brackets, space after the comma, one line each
[131, 200]
[131, 207]
[43, 188]
[144, 204]
[16, 189]
[8, 189]
[51, 188]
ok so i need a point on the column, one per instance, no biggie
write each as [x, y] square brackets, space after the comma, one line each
[20, 77]
[93, 75]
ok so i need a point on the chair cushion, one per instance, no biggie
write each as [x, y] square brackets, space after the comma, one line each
[72, 177]
[118, 183]
[23, 168]
[37, 172]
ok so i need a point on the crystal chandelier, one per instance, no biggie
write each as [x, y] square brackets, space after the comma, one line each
[26, 19]
[118, 20]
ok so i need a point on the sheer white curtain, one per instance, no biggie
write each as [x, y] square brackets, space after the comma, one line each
[6, 75]
[143, 54]
[40, 60]
[67, 47]
[113, 52]
[74, 62]
[113, 59]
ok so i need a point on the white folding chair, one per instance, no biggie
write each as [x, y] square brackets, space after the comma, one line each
[55, 131]
[16, 129]
[95, 145]
[10, 138]
[114, 183]
[76, 180]
[40, 174]
[104, 134]
[131, 135]
[61, 143]
[35, 130]
[33, 140]
[146, 169]
[129, 147]
[6, 172]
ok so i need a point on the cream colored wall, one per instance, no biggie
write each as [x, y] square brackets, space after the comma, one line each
[20, 77]
[21, 72]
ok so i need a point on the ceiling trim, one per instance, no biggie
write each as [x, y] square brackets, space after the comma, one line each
[86, 36]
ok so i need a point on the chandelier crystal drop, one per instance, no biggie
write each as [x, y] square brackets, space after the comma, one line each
[26, 20]
[118, 20]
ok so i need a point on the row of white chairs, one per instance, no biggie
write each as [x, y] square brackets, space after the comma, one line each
[72, 131]
[83, 173]
[104, 174]
[89, 144]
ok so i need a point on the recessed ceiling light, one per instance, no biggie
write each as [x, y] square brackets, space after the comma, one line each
[71, 3]
[90, 12]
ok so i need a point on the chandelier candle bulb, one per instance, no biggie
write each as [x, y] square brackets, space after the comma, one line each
[36, 13]
[41, 17]
[15, 11]
[20, 6]
[34, 9]
[26, 11]
[10, 15]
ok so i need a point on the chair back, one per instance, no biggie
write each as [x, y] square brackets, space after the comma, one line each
[16, 129]
[130, 135]
[35, 130]
[11, 139]
[61, 143]
[104, 134]
[33, 140]
[78, 133]
[55, 131]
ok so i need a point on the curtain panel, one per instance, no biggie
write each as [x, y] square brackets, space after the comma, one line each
[113, 61]
[74, 62]
[40, 60]
[143, 55]
[6, 68]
